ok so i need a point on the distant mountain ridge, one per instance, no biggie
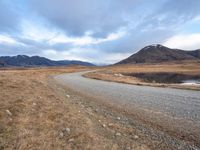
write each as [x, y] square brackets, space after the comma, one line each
[158, 53]
[34, 61]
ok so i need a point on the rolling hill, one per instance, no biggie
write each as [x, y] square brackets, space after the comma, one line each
[34, 61]
[158, 53]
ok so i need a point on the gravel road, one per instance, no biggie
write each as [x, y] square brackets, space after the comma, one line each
[174, 102]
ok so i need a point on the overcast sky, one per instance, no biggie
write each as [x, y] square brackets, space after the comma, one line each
[98, 31]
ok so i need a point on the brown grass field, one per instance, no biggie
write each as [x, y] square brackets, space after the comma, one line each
[119, 73]
[32, 115]
[38, 113]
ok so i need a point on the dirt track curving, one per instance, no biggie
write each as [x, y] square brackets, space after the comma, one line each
[174, 111]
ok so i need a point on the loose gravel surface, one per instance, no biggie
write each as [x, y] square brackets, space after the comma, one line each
[171, 116]
[175, 102]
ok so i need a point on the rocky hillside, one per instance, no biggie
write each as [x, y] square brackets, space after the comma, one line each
[26, 61]
[159, 53]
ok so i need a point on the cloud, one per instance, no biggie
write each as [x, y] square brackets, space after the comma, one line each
[85, 54]
[9, 17]
[36, 31]
[98, 31]
[86, 39]
[7, 40]
[187, 41]
[78, 17]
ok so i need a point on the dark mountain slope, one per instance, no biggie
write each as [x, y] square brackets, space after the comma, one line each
[26, 61]
[2, 64]
[159, 53]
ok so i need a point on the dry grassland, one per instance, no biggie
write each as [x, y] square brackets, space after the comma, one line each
[119, 73]
[36, 113]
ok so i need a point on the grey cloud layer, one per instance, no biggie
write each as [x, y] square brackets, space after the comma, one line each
[143, 21]
[8, 16]
[77, 17]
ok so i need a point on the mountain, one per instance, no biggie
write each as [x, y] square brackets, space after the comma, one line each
[2, 64]
[158, 53]
[26, 61]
